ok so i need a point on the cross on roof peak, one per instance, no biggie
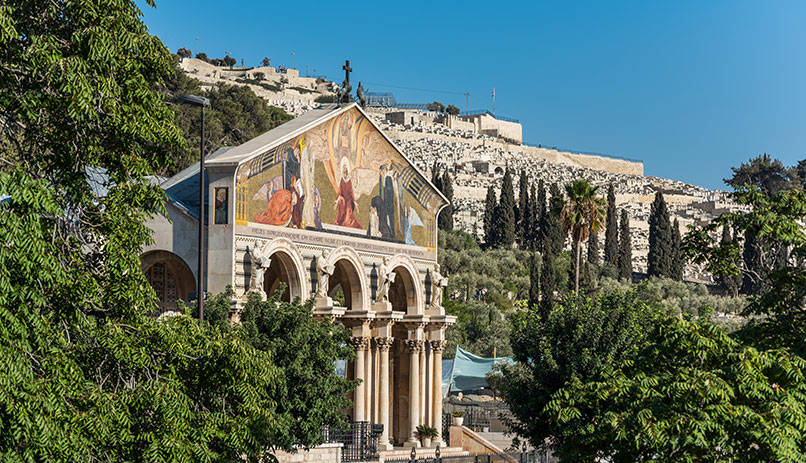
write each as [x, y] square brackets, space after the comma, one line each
[347, 70]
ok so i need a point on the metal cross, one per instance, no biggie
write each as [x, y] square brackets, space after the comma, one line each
[347, 70]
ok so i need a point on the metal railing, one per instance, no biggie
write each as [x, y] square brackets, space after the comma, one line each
[476, 112]
[359, 440]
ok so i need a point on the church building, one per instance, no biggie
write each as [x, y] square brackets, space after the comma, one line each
[329, 206]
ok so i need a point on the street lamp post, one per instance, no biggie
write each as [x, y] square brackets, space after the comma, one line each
[201, 102]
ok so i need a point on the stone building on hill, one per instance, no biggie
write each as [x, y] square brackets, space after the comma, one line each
[329, 206]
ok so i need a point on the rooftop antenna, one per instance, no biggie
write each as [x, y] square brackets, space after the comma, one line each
[493, 101]
[197, 45]
[467, 102]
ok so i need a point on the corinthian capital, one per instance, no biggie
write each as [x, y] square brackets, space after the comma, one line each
[384, 344]
[438, 345]
[359, 343]
[415, 345]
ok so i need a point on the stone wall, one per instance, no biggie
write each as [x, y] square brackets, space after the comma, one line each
[325, 453]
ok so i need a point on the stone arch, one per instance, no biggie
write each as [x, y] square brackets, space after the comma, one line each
[170, 277]
[349, 273]
[407, 290]
[287, 266]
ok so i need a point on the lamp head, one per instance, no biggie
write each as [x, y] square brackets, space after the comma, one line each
[196, 100]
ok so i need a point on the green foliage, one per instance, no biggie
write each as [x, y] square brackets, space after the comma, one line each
[593, 248]
[730, 283]
[184, 53]
[581, 215]
[551, 227]
[625, 248]
[435, 106]
[522, 216]
[503, 225]
[480, 328]
[692, 395]
[446, 215]
[452, 110]
[235, 116]
[577, 339]
[611, 230]
[767, 174]
[490, 204]
[778, 221]
[325, 99]
[660, 260]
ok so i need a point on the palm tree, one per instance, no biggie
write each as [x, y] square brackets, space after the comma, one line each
[583, 212]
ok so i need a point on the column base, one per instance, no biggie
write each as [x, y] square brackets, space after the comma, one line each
[412, 442]
[323, 302]
[438, 443]
[385, 446]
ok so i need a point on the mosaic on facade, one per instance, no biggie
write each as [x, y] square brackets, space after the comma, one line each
[342, 176]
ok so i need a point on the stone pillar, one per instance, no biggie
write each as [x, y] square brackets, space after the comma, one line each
[369, 381]
[436, 392]
[360, 344]
[415, 349]
[383, 388]
[423, 391]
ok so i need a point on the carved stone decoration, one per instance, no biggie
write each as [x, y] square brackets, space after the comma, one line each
[359, 343]
[361, 95]
[387, 277]
[438, 345]
[439, 283]
[324, 270]
[260, 263]
[415, 345]
[384, 344]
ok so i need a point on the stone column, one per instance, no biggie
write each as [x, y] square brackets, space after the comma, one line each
[360, 344]
[383, 388]
[369, 381]
[436, 393]
[415, 349]
[423, 391]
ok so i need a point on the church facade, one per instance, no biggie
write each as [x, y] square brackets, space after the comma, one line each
[329, 206]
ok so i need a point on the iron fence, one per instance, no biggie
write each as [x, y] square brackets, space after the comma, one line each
[359, 440]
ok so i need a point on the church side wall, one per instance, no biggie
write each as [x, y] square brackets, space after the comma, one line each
[177, 233]
[220, 249]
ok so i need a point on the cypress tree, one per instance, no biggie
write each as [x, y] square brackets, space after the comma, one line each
[611, 229]
[435, 178]
[677, 252]
[554, 234]
[534, 282]
[534, 220]
[625, 248]
[660, 258]
[729, 283]
[548, 285]
[523, 210]
[446, 215]
[752, 255]
[490, 203]
[540, 216]
[593, 248]
[505, 221]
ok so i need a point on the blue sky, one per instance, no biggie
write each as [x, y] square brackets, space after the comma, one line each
[691, 88]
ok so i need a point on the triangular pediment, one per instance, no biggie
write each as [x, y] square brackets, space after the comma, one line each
[333, 170]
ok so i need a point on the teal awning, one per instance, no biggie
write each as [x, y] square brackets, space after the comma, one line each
[468, 371]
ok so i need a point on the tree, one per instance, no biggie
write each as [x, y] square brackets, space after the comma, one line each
[730, 283]
[693, 394]
[266, 62]
[548, 284]
[436, 106]
[800, 171]
[661, 254]
[582, 214]
[202, 56]
[593, 248]
[184, 53]
[229, 61]
[611, 230]
[88, 373]
[625, 248]
[534, 220]
[577, 339]
[446, 215]
[504, 223]
[490, 204]
[768, 174]
[522, 216]
[678, 262]
[452, 110]
[534, 281]
[552, 236]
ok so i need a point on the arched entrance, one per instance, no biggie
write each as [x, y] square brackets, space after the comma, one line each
[170, 277]
[284, 270]
[344, 285]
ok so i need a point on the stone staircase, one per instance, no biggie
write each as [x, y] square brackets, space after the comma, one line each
[398, 454]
